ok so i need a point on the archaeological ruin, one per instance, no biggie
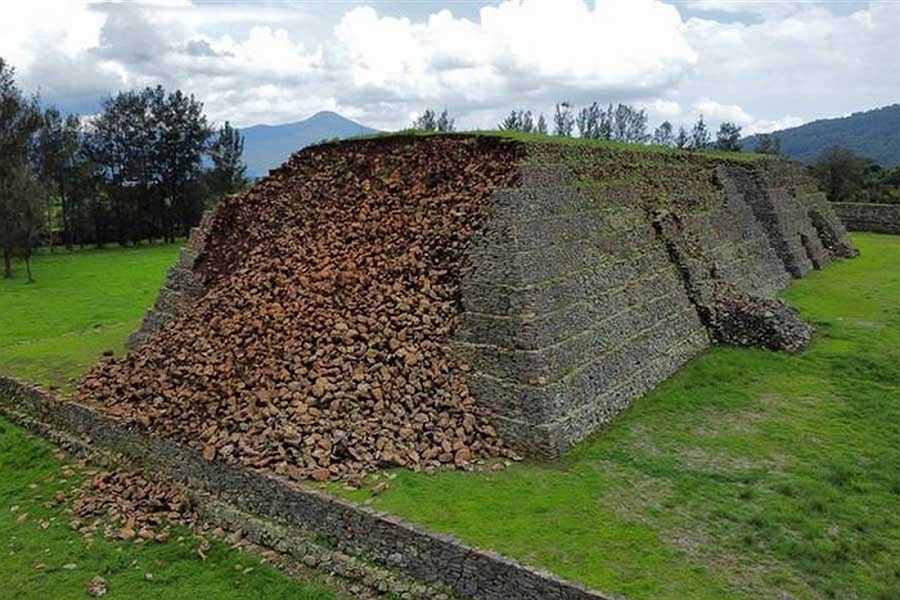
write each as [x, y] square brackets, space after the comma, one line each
[429, 301]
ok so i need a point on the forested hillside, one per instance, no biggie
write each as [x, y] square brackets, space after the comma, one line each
[874, 134]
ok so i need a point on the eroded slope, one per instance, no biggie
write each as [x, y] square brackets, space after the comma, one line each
[318, 346]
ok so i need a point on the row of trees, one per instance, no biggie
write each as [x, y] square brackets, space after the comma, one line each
[847, 177]
[621, 123]
[143, 169]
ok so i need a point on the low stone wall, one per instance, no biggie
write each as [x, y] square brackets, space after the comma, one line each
[432, 559]
[182, 285]
[878, 218]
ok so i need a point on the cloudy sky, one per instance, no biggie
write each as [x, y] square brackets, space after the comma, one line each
[763, 64]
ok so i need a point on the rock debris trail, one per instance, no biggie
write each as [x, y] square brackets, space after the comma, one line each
[319, 346]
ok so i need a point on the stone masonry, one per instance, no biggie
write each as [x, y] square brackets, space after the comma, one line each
[878, 218]
[604, 270]
[183, 284]
[603, 273]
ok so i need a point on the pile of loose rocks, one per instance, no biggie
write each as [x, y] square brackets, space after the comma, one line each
[743, 320]
[319, 346]
[130, 506]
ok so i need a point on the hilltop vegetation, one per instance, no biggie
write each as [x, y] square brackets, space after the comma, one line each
[874, 134]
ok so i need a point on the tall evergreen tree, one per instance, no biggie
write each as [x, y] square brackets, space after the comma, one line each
[511, 122]
[699, 135]
[184, 134]
[124, 143]
[605, 125]
[682, 140]
[541, 126]
[588, 121]
[445, 123]
[562, 119]
[19, 120]
[228, 174]
[56, 147]
[621, 119]
[427, 121]
[728, 137]
[662, 136]
[28, 197]
[526, 121]
[636, 132]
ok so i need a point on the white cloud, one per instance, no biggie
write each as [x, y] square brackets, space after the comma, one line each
[802, 59]
[276, 62]
[537, 48]
[713, 111]
[31, 27]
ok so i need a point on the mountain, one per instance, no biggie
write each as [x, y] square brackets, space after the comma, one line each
[873, 133]
[267, 146]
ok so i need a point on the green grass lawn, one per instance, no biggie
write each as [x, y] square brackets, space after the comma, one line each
[37, 562]
[749, 474]
[83, 304]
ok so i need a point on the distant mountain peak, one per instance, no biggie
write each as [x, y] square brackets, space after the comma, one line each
[268, 146]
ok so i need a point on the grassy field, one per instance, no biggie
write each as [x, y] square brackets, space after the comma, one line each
[83, 304]
[749, 474]
[41, 556]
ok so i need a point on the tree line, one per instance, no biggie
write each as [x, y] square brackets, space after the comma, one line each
[844, 175]
[848, 177]
[620, 123]
[143, 169]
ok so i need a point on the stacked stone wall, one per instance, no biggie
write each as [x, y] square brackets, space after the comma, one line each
[606, 269]
[603, 273]
[878, 218]
[324, 526]
[571, 309]
[182, 286]
[795, 216]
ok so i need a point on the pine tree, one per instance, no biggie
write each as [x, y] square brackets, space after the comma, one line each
[699, 135]
[526, 121]
[228, 174]
[636, 132]
[605, 126]
[511, 122]
[588, 121]
[562, 120]
[682, 140]
[19, 120]
[445, 123]
[728, 137]
[662, 136]
[427, 121]
[541, 126]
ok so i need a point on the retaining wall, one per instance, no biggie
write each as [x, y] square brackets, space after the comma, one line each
[878, 218]
[432, 559]
[182, 285]
[606, 270]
